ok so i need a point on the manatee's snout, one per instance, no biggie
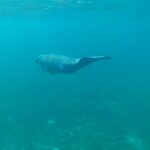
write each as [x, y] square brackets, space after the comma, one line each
[38, 60]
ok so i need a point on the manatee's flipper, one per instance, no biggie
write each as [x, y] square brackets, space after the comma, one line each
[84, 61]
[45, 68]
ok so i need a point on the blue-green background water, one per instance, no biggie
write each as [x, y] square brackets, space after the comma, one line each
[105, 106]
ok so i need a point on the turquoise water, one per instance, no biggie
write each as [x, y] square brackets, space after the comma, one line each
[104, 106]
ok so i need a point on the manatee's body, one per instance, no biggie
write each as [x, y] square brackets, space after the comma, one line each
[54, 64]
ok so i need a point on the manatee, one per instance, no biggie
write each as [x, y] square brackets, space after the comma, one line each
[56, 64]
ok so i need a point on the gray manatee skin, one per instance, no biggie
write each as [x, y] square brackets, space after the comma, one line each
[55, 64]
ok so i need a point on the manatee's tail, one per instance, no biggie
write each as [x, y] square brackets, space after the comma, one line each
[84, 61]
